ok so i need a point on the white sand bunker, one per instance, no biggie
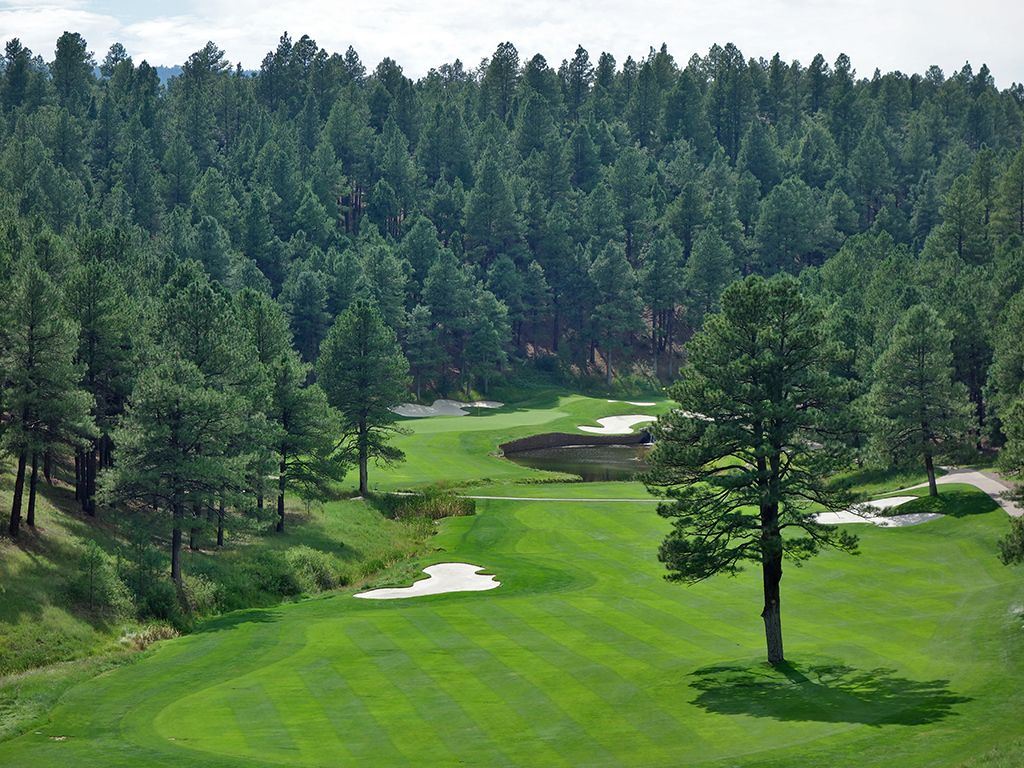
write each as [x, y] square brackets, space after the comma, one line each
[443, 578]
[868, 513]
[442, 408]
[617, 425]
[641, 403]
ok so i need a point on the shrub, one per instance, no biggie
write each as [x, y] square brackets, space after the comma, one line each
[314, 569]
[142, 638]
[96, 586]
[430, 504]
[203, 596]
[268, 571]
[162, 603]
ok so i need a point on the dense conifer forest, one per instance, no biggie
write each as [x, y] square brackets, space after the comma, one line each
[213, 289]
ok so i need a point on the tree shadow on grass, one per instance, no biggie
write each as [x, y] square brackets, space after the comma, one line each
[949, 503]
[237, 619]
[827, 693]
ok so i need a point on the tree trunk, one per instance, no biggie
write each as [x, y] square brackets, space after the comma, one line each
[78, 475]
[33, 481]
[193, 531]
[669, 342]
[179, 517]
[19, 488]
[608, 367]
[48, 467]
[771, 572]
[364, 457]
[933, 489]
[220, 522]
[281, 481]
[89, 504]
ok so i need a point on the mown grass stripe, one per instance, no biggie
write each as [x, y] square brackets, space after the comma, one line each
[356, 730]
[563, 673]
[599, 671]
[391, 707]
[522, 713]
[404, 668]
[260, 724]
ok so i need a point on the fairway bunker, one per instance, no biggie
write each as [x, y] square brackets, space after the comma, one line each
[641, 403]
[442, 408]
[868, 512]
[442, 579]
[617, 425]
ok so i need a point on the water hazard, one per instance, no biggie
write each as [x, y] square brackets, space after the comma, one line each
[594, 463]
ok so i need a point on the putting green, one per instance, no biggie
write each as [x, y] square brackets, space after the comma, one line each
[908, 654]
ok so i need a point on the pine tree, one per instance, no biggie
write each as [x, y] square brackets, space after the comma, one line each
[71, 71]
[420, 248]
[709, 270]
[919, 410]
[962, 230]
[306, 431]
[1006, 375]
[364, 373]
[176, 446]
[1009, 213]
[180, 172]
[661, 285]
[792, 227]
[759, 155]
[745, 458]
[493, 225]
[47, 408]
[618, 310]
[632, 185]
[105, 317]
[305, 299]
[488, 337]
[422, 348]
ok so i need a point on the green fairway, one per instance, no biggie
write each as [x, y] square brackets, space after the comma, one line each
[908, 654]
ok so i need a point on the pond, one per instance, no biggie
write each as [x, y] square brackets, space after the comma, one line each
[594, 463]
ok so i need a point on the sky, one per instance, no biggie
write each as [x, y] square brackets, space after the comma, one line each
[908, 35]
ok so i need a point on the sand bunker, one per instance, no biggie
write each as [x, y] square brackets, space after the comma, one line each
[867, 512]
[442, 408]
[617, 425]
[634, 402]
[443, 578]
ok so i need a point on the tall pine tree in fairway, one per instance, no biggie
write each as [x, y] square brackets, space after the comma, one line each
[364, 373]
[745, 458]
[918, 409]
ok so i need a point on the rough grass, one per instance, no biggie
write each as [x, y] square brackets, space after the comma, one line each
[40, 624]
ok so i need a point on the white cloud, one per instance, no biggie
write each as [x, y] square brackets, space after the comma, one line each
[907, 35]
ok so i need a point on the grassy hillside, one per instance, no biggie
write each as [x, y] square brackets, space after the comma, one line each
[42, 622]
